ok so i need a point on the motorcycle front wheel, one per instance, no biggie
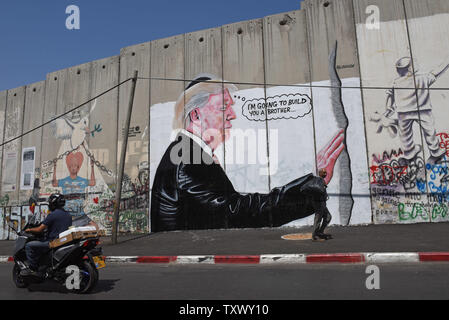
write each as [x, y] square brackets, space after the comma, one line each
[18, 280]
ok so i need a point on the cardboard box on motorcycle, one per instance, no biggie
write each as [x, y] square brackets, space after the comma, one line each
[75, 234]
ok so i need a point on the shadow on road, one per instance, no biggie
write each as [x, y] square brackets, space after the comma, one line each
[52, 286]
[105, 286]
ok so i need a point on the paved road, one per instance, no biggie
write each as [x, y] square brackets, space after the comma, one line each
[248, 282]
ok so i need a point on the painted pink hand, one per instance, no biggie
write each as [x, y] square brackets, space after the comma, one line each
[328, 156]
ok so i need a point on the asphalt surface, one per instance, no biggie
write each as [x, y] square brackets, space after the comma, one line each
[242, 282]
[428, 237]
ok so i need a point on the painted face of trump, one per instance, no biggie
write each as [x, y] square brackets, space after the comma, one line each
[205, 109]
[212, 122]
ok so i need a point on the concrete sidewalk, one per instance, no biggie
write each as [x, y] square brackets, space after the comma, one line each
[261, 244]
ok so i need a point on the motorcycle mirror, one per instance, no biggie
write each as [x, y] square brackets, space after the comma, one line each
[11, 225]
[33, 218]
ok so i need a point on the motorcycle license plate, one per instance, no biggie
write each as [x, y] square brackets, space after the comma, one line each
[99, 262]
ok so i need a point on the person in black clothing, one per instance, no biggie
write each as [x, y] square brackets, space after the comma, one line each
[322, 215]
[57, 222]
[191, 190]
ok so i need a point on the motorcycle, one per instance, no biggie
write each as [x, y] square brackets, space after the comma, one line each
[59, 263]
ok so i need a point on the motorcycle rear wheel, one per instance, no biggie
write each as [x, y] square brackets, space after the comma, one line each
[89, 278]
[18, 280]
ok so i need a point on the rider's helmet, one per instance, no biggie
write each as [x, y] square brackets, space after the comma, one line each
[56, 201]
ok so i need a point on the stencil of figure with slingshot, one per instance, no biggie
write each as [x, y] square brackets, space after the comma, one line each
[405, 106]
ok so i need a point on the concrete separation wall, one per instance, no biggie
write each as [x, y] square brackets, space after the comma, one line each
[357, 87]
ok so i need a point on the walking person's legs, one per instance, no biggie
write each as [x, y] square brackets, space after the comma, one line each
[316, 226]
[322, 219]
[327, 218]
[320, 214]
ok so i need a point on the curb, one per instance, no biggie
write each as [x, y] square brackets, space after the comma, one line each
[346, 258]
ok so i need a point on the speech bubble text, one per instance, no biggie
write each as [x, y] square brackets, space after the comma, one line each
[286, 106]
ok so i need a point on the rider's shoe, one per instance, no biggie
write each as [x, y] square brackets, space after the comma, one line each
[28, 272]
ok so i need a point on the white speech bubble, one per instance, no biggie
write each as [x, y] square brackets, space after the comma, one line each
[286, 106]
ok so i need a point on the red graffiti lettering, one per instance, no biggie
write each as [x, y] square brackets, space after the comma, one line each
[386, 174]
[444, 142]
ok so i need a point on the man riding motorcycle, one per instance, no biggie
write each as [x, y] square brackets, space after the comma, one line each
[57, 222]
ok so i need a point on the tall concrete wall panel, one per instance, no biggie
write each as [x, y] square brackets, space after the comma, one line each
[396, 158]
[72, 170]
[167, 86]
[243, 53]
[167, 69]
[135, 188]
[428, 28]
[103, 123]
[339, 123]
[53, 107]
[290, 119]
[32, 143]
[203, 53]
[246, 153]
[12, 151]
[3, 99]
[330, 22]
[101, 139]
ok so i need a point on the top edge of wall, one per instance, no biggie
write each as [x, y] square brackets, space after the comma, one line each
[104, 60]
[203, 30]
[82, 65]
[282, 14]
[135, 46]
[169, 39]
[16, 90]
[234, 24]
[36, 84]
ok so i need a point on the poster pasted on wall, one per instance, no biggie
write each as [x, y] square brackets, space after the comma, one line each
[27, 169]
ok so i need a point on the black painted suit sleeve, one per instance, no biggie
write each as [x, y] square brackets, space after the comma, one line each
[210, 196]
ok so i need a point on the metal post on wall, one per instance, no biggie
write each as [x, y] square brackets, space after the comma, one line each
[118, 191]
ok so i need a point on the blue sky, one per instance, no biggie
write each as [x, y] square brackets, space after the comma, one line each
[35, 40]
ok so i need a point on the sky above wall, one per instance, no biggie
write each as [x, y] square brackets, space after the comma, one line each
[36, 41]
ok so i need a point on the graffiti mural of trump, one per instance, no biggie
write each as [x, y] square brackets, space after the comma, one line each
[191, 190]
